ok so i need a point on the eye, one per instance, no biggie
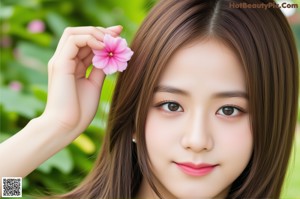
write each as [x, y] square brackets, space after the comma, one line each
[171, 107]
[229, 111]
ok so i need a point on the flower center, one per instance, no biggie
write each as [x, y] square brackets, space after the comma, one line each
[110, 54]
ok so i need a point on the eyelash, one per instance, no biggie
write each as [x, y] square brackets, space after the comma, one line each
[239, 109]
[165, 102]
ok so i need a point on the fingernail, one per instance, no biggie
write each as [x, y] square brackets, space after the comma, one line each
[117, 26]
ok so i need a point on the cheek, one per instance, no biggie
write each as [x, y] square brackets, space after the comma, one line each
[157, 140]
[159, 131]
[162, 136]
[152, 133]
[236, 132]
[153, 127]
[235, 142]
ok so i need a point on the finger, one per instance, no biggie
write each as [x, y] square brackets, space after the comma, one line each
[76, 42]
[89, 30]
[97, 77]
[84, 64]
[84, 52]
[98, 33]
[116, 29]
[88, 60]
[113, 30]
[80, 71]
[106, 31]
[67, 61]
[85, 30]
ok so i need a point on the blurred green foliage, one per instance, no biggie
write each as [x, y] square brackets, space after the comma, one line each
[292, 181]
[30, 31]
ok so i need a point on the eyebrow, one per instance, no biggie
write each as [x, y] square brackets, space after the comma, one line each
[229, 94]
[169, 89]
[225, 94]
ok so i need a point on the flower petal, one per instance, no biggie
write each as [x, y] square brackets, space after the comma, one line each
[100, 52]
[109, 70]
[122, 66]
[110, 42]
[117, 60]
[121, 45]
[100, 62]
[125, 55]
[111, 67]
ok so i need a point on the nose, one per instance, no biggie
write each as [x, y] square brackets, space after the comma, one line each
[197, 135]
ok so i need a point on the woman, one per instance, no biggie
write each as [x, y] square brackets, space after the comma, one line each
[206, 109]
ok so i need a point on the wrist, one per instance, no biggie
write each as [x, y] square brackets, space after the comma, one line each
[54, 122]
[40, 139]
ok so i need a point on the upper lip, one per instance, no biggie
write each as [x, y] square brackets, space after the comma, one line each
[195, 166]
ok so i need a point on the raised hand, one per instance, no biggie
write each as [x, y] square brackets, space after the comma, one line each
[71, 105]
[72, 97]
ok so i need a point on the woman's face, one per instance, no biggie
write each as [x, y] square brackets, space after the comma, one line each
[198, 131]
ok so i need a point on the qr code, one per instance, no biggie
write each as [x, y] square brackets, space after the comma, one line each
[11, 187]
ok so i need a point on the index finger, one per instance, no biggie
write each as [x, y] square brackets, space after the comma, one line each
[112, 30]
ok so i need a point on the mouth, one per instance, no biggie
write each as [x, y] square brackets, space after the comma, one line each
[196, 169]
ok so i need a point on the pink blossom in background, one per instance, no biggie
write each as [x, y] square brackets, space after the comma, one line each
[15, 85]
[5, 42]
[36, 26]
[114, 56]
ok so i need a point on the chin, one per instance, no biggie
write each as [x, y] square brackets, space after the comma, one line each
[193, 195]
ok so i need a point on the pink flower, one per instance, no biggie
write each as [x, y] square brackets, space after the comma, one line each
[15, 85]
[114, 56]
[36, 26]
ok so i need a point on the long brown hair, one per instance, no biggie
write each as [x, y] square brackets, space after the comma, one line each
[261, 39]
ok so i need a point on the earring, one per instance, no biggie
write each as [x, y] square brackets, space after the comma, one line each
[133, 140]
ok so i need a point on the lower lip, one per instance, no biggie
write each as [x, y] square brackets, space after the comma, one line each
[196, 171]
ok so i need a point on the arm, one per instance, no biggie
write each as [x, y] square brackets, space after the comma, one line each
[71, 105]
[30, 147]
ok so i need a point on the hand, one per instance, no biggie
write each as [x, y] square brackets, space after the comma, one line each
[72, 98]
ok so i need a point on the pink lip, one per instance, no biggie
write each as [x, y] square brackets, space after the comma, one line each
[196, 169]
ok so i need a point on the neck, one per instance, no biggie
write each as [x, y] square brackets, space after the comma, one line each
[146, 192]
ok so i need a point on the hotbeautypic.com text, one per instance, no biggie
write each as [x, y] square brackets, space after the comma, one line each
[261, 5]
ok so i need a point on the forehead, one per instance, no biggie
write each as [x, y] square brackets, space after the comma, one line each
[204, 65]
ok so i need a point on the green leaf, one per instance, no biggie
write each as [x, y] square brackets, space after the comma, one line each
[85, 144]
[28, 3]
[20, 103]
[6, 12]
[25, 183]
[97, 125]
[108, 88]
[62, 161]
[19, 71]
[4, 136]
[56, 23]
[40, 92]
[81, 161]
[134, 9]
[35, 52]
[43, 39]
